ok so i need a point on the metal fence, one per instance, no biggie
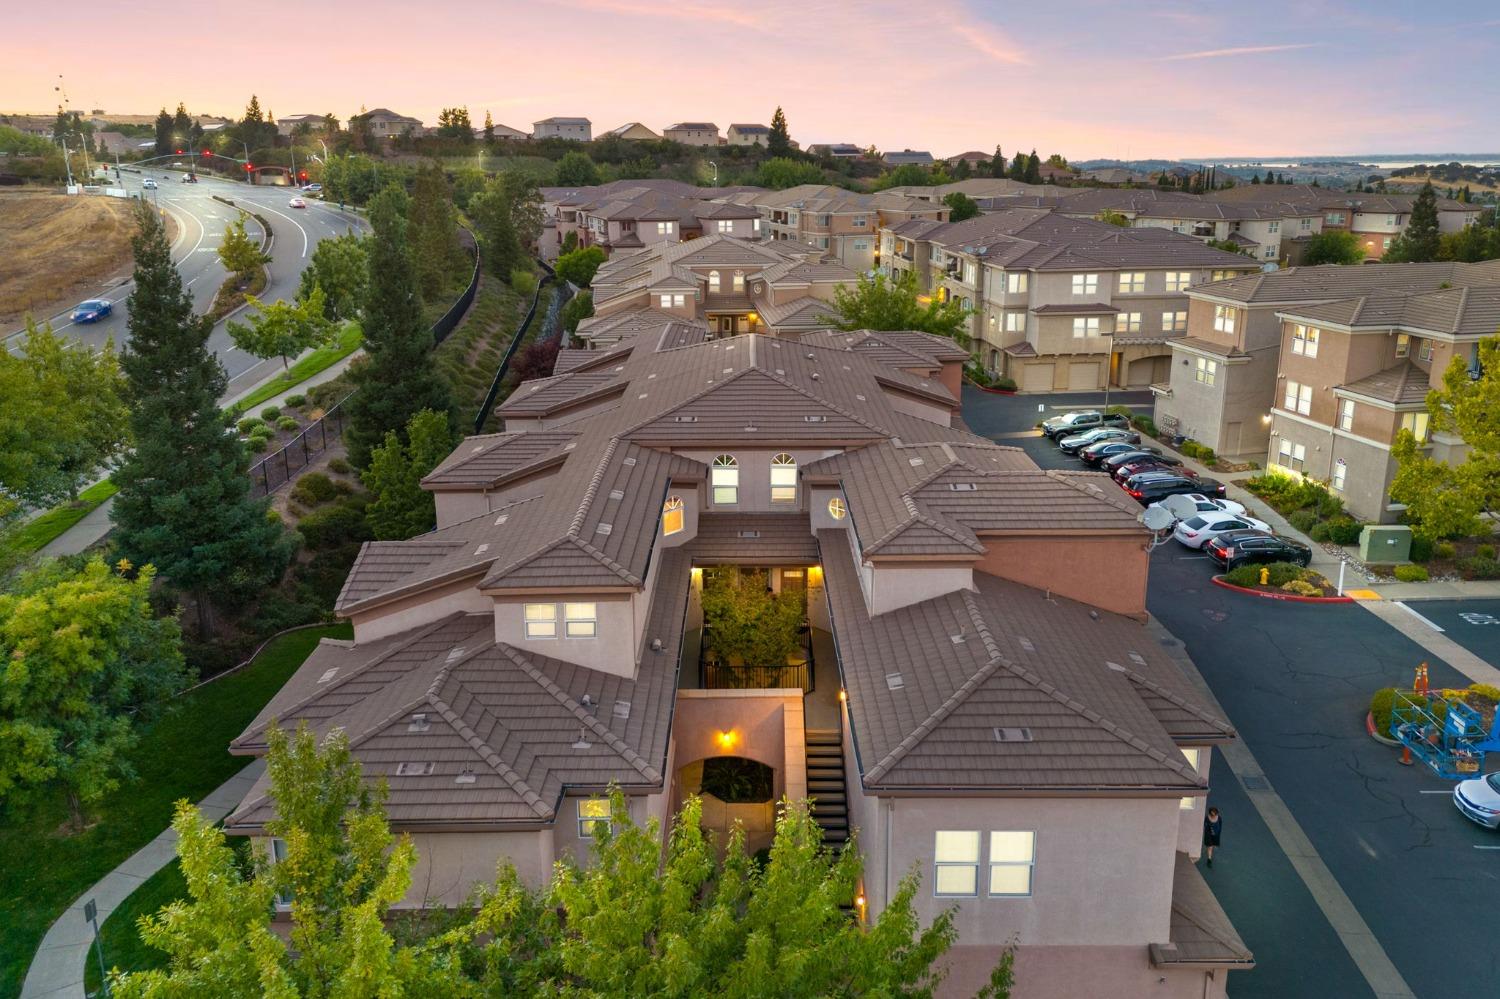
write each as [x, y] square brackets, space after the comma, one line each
[510, 351]
[449, 319]
[276, 469]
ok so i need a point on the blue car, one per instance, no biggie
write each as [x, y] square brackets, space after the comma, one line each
[92, 311]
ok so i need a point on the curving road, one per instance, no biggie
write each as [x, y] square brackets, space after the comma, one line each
[200, 228]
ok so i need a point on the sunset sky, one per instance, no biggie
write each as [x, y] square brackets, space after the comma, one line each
[1086, 78]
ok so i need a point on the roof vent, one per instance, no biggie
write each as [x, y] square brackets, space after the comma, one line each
[895, 681]
[621, 709]
[641, 396]
[1026, 643]
[604, 528]
[656, 645]
[727, 371]
[328, 674]
[587, 700]
[860, 396]
[963, 487]
[583, 742]
[685, 419]
[815, 377]
[501, 519]
[1003, 734]
[916, 461]
[751, 428]
[617, 494]
[811, 355]
[629, 462]
[418, 723]
[465, 776]
[619, 367]
[481, 549]
[1137, 658]
[749, 534]
[476, 449]
[959, 638]
[413, 769]
[1115, 666]
[651, 376]
[815, 419]
[570, 445]
[781, 371]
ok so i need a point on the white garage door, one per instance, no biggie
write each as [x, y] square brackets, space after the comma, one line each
[1038, 378]
[1083, 377]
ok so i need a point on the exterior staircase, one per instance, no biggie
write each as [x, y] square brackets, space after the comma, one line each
[825, 785]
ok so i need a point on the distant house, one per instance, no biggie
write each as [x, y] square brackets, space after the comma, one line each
[288, 125]
[694, 133]
[503, 132]
[973, 157]
[915, 157]
[115, 143]
[748, 135]
[387, 124]
[635, 132]
[577, 129]
[1110, 175]
[838, 150]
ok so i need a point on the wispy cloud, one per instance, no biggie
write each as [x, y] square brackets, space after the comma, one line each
[678, 11]
[971, 30]
[1240, 51]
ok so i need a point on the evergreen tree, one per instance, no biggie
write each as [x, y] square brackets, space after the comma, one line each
[398, 381]
[184, 504]
[997, 165]
[1017, 169]
[1255, 178]
[489, 129]
[433, 227]
[1033, 173]
[401, 508]
[163, 133]
[779, 142]
[962, 170]
[182, 127]
[1420, 242]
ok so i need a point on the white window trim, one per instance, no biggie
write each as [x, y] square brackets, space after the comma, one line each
[789, 465]
[994, 865]
[730, 473]
[539, 623]
[1085, 284]
[581, 613]
[1132, 282]
[971, 865]
[586, 823]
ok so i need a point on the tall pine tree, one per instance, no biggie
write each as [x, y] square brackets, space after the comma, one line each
[399, 380]
[779, 142]
[997, 165]
[1420, 241]
[184, 504]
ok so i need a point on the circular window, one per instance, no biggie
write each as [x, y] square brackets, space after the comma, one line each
[836, 509]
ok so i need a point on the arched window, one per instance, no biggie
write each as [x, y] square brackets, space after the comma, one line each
[724, 477]
[836, 509]
[671, 515]
[739, 281]
[713, 282]
[783, 479]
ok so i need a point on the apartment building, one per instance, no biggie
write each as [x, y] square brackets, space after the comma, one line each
[748, 135]
[634, 131]
[630, 214]
[721, 284]
[576, 129]
[978, 692]
[1226, 377]
[1375, 219]
[384, 123]
[1059, 303]
[842, 223]
[693, 133]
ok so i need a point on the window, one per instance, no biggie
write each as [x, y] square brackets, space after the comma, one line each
[783, 479]
[1012, 856]
[1390, 220]
[1194, 758]
[665, 228]
[1385, 244]
[1128, 322]
[1085, 284]
[1424, 350]
[1174, 322]
[968, 272]
[1273, 227]
[859, 222]
[580, 620]
[713, 281]
[724, 477]
[541, 620]
[1339, 469]
[278, 855]
[1346, 414]
[1132, 281]
[861, 244]
[1334, 218]
[755, 225]
[1086, 326]
[836, 509]
[1015, 284]
[1417, 424]
[1291, 455]
[594, 817]
[1224, 318]
[725, 225]
[1403, 345]
[672, 301]
[956, 856]
[1298, 398]
[1270, 251]
[1304, 340]
[1179, 280]
[1015, 322]
[672, 515]
[1206, 371]
[1305, 225]
[739, 282]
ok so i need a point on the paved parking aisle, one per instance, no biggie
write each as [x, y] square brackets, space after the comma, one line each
[1474, 624]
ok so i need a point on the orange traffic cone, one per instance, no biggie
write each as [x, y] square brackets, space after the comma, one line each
[1406, 759]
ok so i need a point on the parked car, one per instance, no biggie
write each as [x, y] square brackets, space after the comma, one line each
[1077, 442]
[1147, 463]
[1479, 799]
[312, 188]
[149, 184]
[1080, 420]
[1154, 488]
[296, 203]
[1187, 505]
[1204, 527]
[1233, 549]
[1095, 453]
[1141, 453]
[92, 311]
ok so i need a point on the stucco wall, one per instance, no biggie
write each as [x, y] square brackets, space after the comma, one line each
[613, 648]
[1077, 972]
[449, 864]
[419, 609]
[1107, 572]
[755, 475]
[892, 585]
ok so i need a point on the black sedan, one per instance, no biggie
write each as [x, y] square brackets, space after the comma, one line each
[1150, 487]
[1233, 549]
[1096, 453]
[1076, 443]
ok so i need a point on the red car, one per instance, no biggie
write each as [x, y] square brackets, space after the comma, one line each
[1153, 463]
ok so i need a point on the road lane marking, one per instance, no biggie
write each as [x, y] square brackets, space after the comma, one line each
[1478, 847]
[1419, 617]
[292, 221]
[1435, 792]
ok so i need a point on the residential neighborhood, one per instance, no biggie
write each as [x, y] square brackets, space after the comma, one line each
[782, 540]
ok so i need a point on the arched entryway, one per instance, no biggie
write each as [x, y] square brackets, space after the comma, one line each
[733, 789]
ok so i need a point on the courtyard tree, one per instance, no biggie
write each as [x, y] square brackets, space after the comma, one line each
[1332, 246]
[283, 329]
[400, 507]
[879, 302]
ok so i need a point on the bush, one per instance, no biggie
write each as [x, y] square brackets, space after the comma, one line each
[1302, 520]
[248, 424]
[1278, 574]
[1443, 549]
[256, 445]
[262, 433]
[1411, 573]
[335, 525]
[1319, 531]
[1485, 551]
[1344, 530]
[1003, 382]
[1381, 705]
[270, 413]
[1199, 451]
[1144, 424]
[288, 423]
[315, 489]
[1118, 410]
[523, 282]
[1302, 588]
[1421, 550]
[1479, 568]
[339, 465]
[1486, 690]
[293, 401]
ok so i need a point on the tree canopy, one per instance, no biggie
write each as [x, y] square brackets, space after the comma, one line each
[575, 169]
[961, 206]
[283, 329]
[507, 219]
[400, 507]
[1420, 241]
[432, 225]
[579, 308]
[781, 172]
[241, 255]
[779, 142]
[580, 265]
[340, 268]
[1333, 246]
[879, 302]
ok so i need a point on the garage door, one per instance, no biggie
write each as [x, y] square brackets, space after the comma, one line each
[1142, 372]
[1082, 377]
[1038, 378]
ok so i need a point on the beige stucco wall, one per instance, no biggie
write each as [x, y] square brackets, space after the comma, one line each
[755, 475]
[422, 608]
[922, 409]
[1106, 571]
[449, 864]
[890, 586]
[1075, 972]
[613, 648]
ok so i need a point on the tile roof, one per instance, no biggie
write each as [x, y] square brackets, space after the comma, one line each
[1332, 282]
[1330, 200]
[1402, 385]
[1465, 311]
[1200, 931]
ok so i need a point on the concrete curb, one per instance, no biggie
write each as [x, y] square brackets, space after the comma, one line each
[1290, 597]
[1370, 728]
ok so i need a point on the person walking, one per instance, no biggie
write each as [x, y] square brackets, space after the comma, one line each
[1213, 828]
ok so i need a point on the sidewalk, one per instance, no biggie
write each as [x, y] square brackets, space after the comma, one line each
[56, 971]
[328, 374]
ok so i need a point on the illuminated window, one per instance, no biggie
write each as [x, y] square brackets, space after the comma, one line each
[1224, 318]
[541, 620]
[1015, 322]
[672, 515]
[1424, 350]
[1173, 322]
[956, 856]
[665, 228]
[1194, 757]
[1298, 398]
[1206, 371]
[1085, 284]
[1012, 856]
[783, 479]
[1304, 340]
[1417, 424]
[1129, 322]
[836, 509]
[1132, 281]
[1339, 468]
[580, 620]
[1015, 284]
[1291, 455]
[713, 281]
[739, 281]
[672, 301]
[1403, 345]
[1179, 280]
[1086, 326]
[594, 817]
[724, 477]
[1346, 414]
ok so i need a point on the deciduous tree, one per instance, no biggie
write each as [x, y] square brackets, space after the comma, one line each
[401, 508]
[782, 172]
[575, 169]
[960, 205]
[241, 255]
[1333, 246]
[339, 268]
[580, 265]
[283, 329]
[579, 308]
[879, 302]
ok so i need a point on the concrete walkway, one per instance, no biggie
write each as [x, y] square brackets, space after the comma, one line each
[56, 971]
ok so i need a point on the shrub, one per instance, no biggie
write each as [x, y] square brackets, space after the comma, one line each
[293, 401]
[1003, 382]
[256, 445]
[1485, 551]
[1302, 520]
[1479, 568]
[1381, 705]
[1328, 505]
[262, 432]
[288, 423]
[270, 413]
[1411, 573]
[1344, 530]
[248, 424]
[1118, 410]
[523, 282]
[1319, 531]
[335, 525]
[315, 489]
[1278, 574]
[1443, 549]
[338, 465]
[1421, 550]
[1144, 424]
[1485, 690]
[1302, 588]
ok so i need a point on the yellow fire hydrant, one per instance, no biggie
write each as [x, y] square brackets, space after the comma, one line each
[1265, 576]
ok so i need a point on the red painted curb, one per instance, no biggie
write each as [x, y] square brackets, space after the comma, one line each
[1370, 728]
[1293, 597]
[992, 391]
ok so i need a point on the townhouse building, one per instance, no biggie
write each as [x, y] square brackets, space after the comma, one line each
[747, 135]
[630, 214]
[1374, 219]
[384, 123]
[977, 690]
[693, 133]
[575, 129]
[634, 131]
[842, 223]
[1226, 375]
[502, 131]
[1061, 303]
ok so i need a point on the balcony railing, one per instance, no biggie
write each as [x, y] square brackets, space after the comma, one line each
[718, 676]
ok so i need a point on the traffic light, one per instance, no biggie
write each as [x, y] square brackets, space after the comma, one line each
[208, 152]
[179, 152]
[302, 175]
[249, 167]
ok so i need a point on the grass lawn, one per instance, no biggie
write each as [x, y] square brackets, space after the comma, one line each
[349, 339]
[122, 945]
[183, 754]
[38, 533]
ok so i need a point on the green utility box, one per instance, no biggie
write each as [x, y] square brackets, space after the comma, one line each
[1385, 543]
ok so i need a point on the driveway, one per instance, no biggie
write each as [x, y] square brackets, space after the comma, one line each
[992, 414]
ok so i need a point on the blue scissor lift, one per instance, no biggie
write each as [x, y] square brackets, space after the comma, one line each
[1453, 744]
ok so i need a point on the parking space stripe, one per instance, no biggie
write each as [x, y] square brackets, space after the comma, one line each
[1419, 617]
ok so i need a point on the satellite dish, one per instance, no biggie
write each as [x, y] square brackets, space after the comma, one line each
[1156, 518]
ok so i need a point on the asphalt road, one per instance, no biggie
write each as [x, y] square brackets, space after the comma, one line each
[201, 222]
[1474, 624]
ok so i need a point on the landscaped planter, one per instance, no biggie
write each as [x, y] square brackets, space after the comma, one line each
[1277, 594]
[988, 388]
[1382, 739]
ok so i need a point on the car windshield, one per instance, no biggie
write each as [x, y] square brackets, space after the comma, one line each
[1494, 780]
[1194, 522]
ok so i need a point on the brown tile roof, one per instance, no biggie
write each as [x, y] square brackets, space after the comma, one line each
[1076, 309]
[1331, 282]
[1329, 200]
[1208, 346]
[488, 460]
[755, 538]
[1465, 311]
[1200, 933]
[1402, 385]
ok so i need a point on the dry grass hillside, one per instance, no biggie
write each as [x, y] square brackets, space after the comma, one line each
[58, 248]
